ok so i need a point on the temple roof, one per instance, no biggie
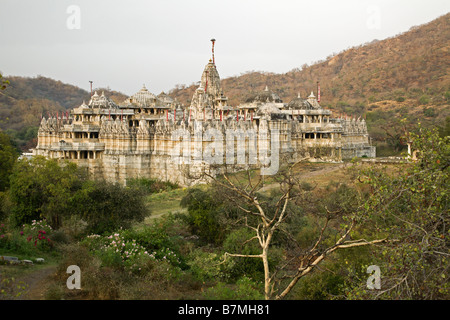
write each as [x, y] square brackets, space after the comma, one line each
[268, 108]
[100, 101]
[264, 96]
[142, 98]
[299, 104]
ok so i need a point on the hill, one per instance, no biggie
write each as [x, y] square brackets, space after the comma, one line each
[25, 100]
[410, 65]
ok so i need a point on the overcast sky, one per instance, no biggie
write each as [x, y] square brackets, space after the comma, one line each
[124, 44]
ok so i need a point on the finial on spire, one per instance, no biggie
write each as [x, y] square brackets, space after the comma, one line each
[213, 41]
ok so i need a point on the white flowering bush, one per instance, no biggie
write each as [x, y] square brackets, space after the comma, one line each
[116, 250]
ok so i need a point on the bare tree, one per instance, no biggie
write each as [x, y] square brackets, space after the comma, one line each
[279, 282]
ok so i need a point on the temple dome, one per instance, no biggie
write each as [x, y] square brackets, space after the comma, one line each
[264, 96]
[165, 98]
[143, 98]
[299, 104]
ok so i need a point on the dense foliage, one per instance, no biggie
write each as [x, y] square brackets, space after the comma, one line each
[8, 155]
[45, 189]
[412, 207]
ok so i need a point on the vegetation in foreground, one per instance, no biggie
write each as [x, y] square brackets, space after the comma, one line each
[209, 250]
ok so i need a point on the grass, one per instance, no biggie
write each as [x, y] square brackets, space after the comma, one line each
[165, 202]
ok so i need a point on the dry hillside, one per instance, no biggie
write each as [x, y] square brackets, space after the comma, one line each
[411, 64]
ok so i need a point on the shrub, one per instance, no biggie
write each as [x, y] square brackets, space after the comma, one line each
[107, 207]
[447, 95]
[245, 289]
[8, 155]
[42, 188]
[236, 242]
[120, 252]
[150, 186]
[156, 240]
[30, 239]
[97, 281]
[429, 112]
[204, 215]
[424, 99]
[205, 266]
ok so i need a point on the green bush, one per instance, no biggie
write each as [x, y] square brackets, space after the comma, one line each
[236, 242]
[424, 99]
[447, 95]
[429, 112]
[107, 207]
[8, 156]
[58, 191]
[122, 251]
[204, 215]
[42, 188]
[156, 238]
[150, 186]
[245, 289]
[31, 239]
[205, 266]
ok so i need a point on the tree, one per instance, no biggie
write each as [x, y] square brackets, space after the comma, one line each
[412, 205]
[267, 217]
[54, 190]
[3, 83]
[107, 207]
[43, 189]
[203, 215]
[8, 155]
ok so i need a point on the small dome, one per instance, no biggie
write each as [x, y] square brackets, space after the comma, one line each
[165, 98]
[264, 96]
[142, 98]
[84, 105]
[299, 104]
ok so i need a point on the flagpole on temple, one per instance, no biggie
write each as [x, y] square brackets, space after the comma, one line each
[318, 91]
